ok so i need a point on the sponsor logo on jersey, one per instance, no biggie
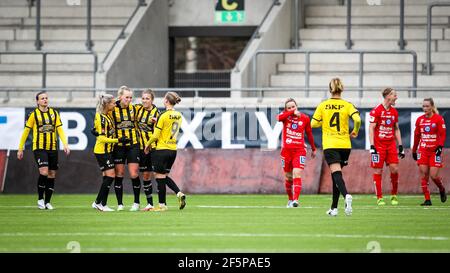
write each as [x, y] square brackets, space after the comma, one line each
[302, 159]
[438, 159]
[288, 140]
[375, 158]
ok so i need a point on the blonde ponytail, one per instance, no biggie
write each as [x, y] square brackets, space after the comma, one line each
[102, 101]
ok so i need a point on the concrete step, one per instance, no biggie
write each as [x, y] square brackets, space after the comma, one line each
[6, 34]
[365, 2]
[353, 67]
[37, 68]
[53, 80]
[2, 45]
[95, 3]
[80, 21]
[13, 12]
[66, 34]
[51, 59]
[79, 11]
[436, 45]
[9, 22]
[100, 46]
[351, 80]
[383, 10]
[11, 3]
[436, 57]
[375, 21]
[381, 33]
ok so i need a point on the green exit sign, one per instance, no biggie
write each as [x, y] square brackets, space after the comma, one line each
[235, 16]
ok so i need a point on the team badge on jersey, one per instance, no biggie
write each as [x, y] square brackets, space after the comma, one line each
[427, 128]
[375, 158]
[388, 122]
[302, 159]
[294, 126]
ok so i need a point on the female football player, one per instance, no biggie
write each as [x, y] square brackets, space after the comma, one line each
[429, 136]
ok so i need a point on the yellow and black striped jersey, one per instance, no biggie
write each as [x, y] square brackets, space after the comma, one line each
[166, 130]
[46, 128]
[333, 115]
[145, 124]
[125, 123]
[106, 138]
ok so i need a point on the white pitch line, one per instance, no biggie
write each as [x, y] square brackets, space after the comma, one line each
[205, 234]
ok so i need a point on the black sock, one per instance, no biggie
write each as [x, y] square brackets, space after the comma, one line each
[172, 185]
[102, 196]
[339, 182]
[336, 194]
[49, 188]
[161, 190]
[118, 188]
[107, 181]
[136, 182]
[148, 191]
[42, 181]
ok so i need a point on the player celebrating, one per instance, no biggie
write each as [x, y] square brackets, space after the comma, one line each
[383, 131]
[429, 136]
[165, 133]
[146, 116]
[103, 148]
[333, 116]
[45, 123]
[124, 117]
[293, 152]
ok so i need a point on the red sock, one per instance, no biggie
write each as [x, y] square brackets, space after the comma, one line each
[297, 187]
[438, 182]
[425, 190]
[394, 181]
[288, 186]
[377, 182]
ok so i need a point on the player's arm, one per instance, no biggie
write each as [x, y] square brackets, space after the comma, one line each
[398, 137]
[100, 128]
[316, 121]
[156, 132]
[416, 140]
[26, 131]
[356, 123]
[61, 133]
[442, 136]
[309, 134]
[284, 115]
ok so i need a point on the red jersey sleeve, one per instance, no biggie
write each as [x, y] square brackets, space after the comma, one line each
[416, 136]
[442, 132]
[284, 115]
[308, 131]
[374, 115]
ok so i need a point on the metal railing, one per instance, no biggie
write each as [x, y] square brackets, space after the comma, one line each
[255, 35]
[197, 92]
[44, 60]
[308, 53]
[140, 3]
[429, 18]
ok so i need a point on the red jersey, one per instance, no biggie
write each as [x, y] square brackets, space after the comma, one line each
[385, 121]
[429, 133]
[294, 129]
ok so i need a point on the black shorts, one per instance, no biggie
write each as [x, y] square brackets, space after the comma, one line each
[145, 165]
[163, 160]
[337, 156]
[46, 158]
[126, 154]
[105, 161]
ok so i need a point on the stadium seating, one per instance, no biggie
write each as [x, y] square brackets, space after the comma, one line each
[63, 28]
[373, 28]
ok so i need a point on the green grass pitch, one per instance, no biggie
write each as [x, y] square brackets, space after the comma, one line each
[224, 223]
